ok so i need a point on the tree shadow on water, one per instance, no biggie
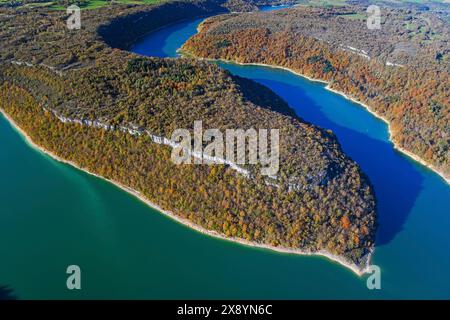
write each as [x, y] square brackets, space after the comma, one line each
[6, 293]
[395, 179]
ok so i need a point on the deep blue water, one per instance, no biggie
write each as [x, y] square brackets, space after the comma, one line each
[52, 215]
[413, 241]
[273, 8]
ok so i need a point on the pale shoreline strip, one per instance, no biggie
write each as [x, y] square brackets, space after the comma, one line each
[395, 144]
[186, 222]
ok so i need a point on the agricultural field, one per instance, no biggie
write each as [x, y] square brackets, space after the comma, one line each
[83, 4]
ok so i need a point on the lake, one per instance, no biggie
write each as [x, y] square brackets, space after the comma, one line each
[53, 215]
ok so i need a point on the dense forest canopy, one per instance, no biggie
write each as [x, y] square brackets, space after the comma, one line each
[48, 73]
[400, 71]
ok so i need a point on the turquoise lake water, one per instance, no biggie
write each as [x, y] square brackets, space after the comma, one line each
[53, 215]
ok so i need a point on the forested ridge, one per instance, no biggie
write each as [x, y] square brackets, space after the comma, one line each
[47, 69]
[401, 71]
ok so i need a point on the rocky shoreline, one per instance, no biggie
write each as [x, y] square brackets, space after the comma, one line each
[352, 266]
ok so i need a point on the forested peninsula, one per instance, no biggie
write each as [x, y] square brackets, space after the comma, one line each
[79, 95]
[399, 72]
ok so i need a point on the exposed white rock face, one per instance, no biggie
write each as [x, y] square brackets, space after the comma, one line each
[138, 131]
[29, 64]
[359, 52]
[392, 64]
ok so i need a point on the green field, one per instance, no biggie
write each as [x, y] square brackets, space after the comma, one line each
[93, 4]
[88, 4]
[323, 3]
[354, 16]
[328, 3]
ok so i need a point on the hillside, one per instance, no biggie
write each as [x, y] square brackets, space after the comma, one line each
[79, 95]
[400, 71]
